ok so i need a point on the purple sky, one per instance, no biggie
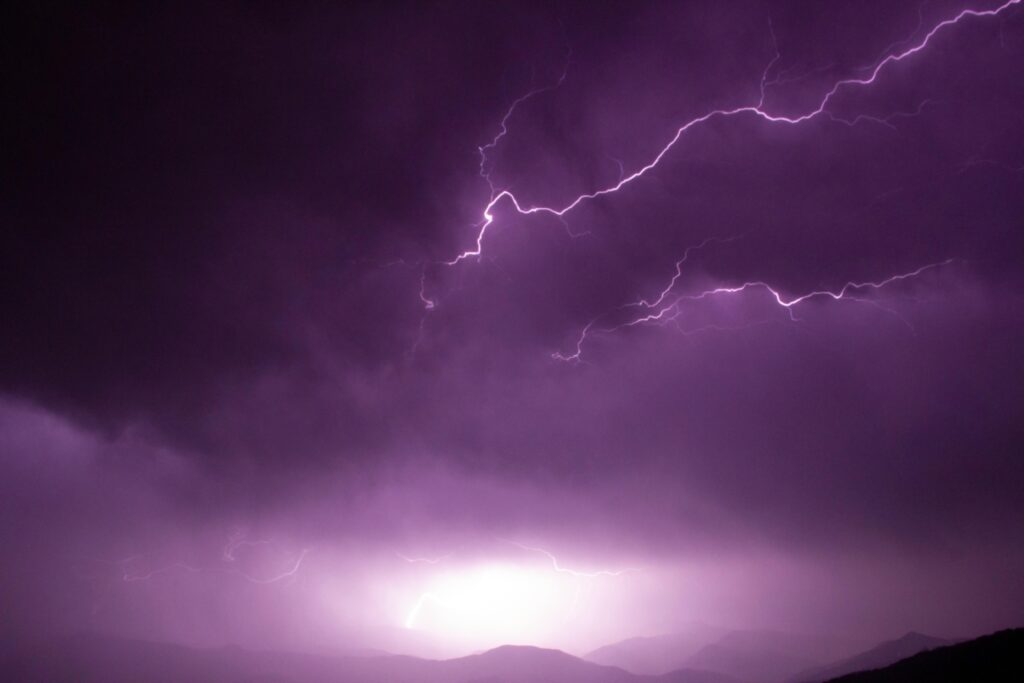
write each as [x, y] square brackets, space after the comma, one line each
[260, 382]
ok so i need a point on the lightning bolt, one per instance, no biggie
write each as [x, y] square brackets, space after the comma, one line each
[423, 560]
[659, 312]
[237, 539]
[484, 150]
[410, 620]
[886, 121]
[287, 574]
[868, 75]
[562, 569]
[128, 576]
[754, 109]
[130, 572]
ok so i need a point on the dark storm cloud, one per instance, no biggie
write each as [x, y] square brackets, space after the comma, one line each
[193, 189]
[218, 220]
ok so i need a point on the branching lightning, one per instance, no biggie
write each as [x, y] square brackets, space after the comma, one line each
[140, 567]
[660, 312]
[753, 109]
[237, 539]
[657, 310]
[484, 150]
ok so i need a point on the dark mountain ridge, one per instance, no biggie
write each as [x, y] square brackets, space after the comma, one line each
[994, 658]
[752, 655]
[881, 655]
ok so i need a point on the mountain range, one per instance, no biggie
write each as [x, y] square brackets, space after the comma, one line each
[91, 658]
[95, 659]
[756, 656]
[995, 658]
[880, 656]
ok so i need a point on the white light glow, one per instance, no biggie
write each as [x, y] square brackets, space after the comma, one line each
[494, 603]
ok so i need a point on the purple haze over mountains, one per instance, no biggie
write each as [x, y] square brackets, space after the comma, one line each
[434, 328]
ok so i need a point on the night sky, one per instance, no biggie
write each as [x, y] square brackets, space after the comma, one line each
[427, 327]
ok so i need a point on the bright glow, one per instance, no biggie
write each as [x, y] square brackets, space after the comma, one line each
[489, 603]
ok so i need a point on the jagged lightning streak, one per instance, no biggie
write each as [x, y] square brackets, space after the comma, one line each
[275, 578]
[237, 539]
[410, 619]
[562, 569]
[679, 272]
[661, 312]
[895, 53]
[886, 121]
[782, 301]
[422, 560]
[641, 303]
[756, 110]
[129, 577]
[484, 150]
[130, 573]
[485, 173]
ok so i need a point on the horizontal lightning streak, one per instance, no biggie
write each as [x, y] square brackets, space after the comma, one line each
[128, 577]
[423, 560]
[668, 312]
[277, 577]
[558, 567]
[229, 556]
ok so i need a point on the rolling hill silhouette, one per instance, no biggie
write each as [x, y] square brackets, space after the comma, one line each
[95, 659]
[656, 654]
[86, 659]
[755, 656]
[994, 658]
[881, 655]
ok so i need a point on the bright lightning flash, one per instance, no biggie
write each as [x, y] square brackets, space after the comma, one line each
[483, 604]
[499, 602]
[666, 308]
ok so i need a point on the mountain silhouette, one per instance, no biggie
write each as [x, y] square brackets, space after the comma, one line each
[88, 659]
[754, 666]
[881, 655]
[765, 656]
[656, 654]
[994, 658]
[95, 659]
[753, 655]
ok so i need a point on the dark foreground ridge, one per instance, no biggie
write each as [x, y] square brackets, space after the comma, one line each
[996, 658]
[878, 657]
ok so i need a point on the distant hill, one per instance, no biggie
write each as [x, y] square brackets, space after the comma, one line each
[996, 658]
[753, 665]
[93, 659]
[762, 656]
[656, 654]
[758, 656]
[88, 659]
[877, 657]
